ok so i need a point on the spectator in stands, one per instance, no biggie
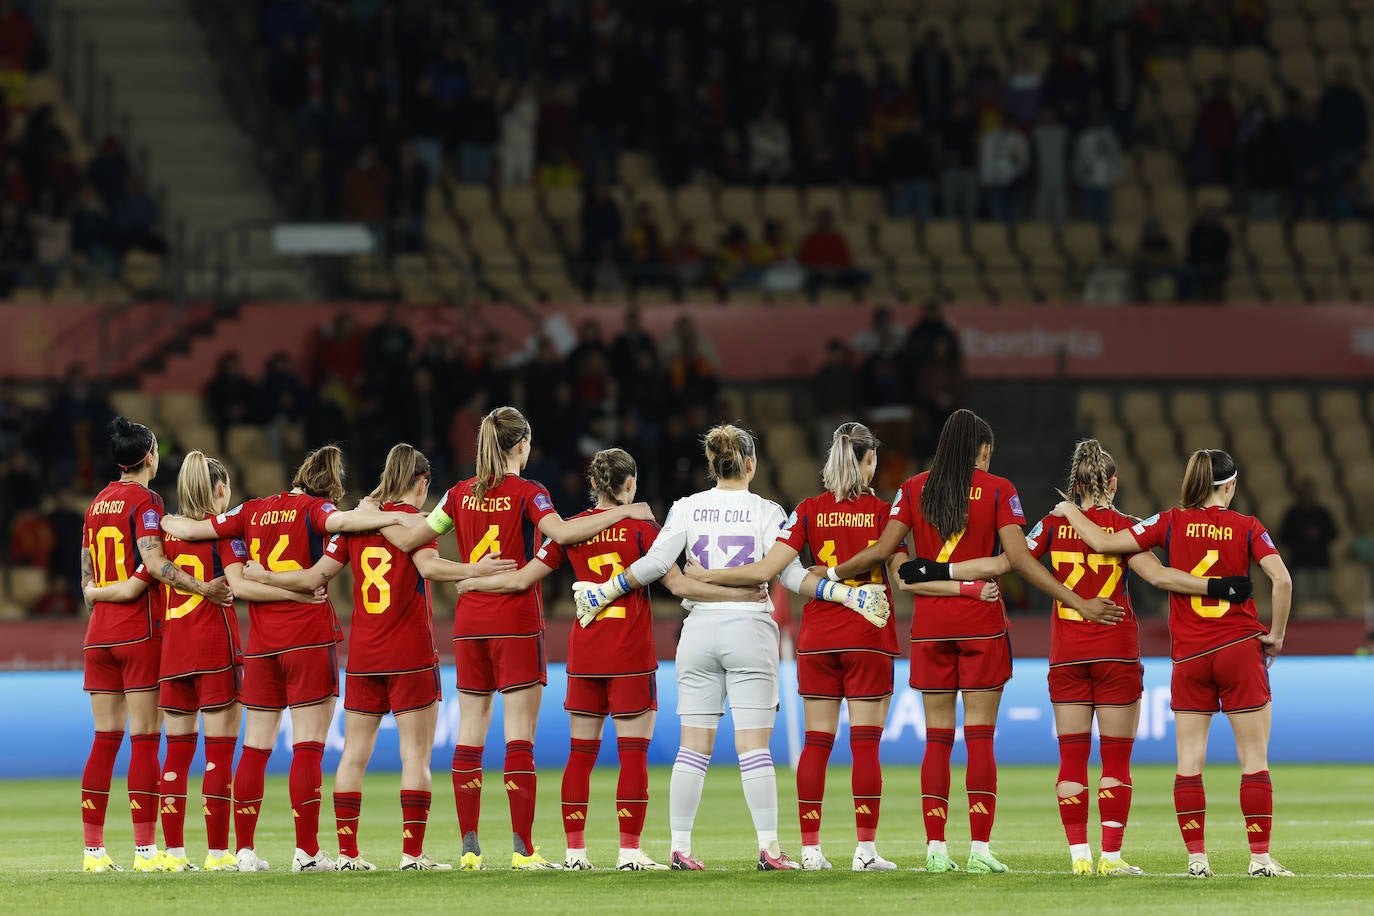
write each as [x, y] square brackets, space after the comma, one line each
[1156, 268]
[1068, 84]
[644, 250]
[815, 157]
[136, 219]
[890, 107]
[825, 254]
[941, 387]
[959, 163]
[108, 170]
[21, 485]
[627, 347]
[930, 333]
[387, 348]
[339, 352]
[686, 261]
[1209, 255]
[1305, 148]
[1264, 164]
[20, 47]
[31, 540]
[282, 402]
[51, 229]
[558, 171]
[1050, 142]
[1098, 165]
[1109, 280]
[770, 148]
[985, 82]
[1003, 159]
[58, 601]
[1211, 158]
[931, 74]
[365, 188]
[849, 105]
[480, 133]
[1120, 76]
[778, 270]
[427, 131]
[1024, 92]
[408, 196]
[834, 392]
[519, 119]
[599, 108]
[1343, 120]
[883, 336]
[731, 264]
[230, 398]
[909, 165]
[691, 364]
[1306, 533]
[16, 248]
[1350, 198]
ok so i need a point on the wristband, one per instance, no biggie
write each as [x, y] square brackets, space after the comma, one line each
[824, 589]
[622, 583]
[831, 575]
[972, 589]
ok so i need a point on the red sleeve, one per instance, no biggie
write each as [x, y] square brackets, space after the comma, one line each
[1261, 544]
[550, 554]
[1151, 532]
[1009, 508]
[794, 531]
[148, 521]
[901, 507]
[540, 506]
[232, 551]
[1038, 541]
[230, 524]
[143, 575]
[318, 513]
[337, 548]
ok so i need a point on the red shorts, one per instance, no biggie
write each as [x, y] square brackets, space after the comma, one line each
[612, 696]
[1232, 679]
[300, 677]
[499, 663]
[123, 669]
[1097, 683]
[844, 675]
[947, 665]
[379, 694]
[194, 692]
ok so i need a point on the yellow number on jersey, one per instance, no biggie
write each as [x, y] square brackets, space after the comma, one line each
[952, 542]
[274, 562]
[376, 590]
[596, 564]
[196, 570]
[827, 556]
[490, 543]
[1200, 602]
[1081, 564]
[109, 541]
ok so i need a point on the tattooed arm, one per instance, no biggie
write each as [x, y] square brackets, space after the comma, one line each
[167, 572]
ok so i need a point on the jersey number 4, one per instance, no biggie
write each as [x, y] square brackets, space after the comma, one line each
[827, 556]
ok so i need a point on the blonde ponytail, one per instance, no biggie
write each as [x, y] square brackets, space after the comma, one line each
[843, 474]
[501, 431]
[727, 447]
[196, 484]
[1090, 472]
[405, 464]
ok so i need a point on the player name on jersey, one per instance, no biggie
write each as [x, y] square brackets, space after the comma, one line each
[709, 515]
[107, 507]
[487, 504]
[846, 519]
[1210, 532]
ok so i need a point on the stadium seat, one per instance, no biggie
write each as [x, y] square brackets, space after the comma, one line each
[1094, 405]
[1350, 444]
[181, 408]
[1142, 407]
[1249, 443]
[27, 584]
[263, 477]
[1200, 434]
[564, 205]
[944, 241]
[1290, 406]
[865, 203]
[1190, 405]
[770, 405]
[135, 405]
[1082, 243]
[1287, 32]
[823, 198]
[245, 443]
[782, 204]
[1350, 587]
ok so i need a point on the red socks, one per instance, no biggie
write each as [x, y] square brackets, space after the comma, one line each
[348, 808]
[1257, 807]
[935, 781]
[467, 787]
[981, 781]
[815, 756]
[1190, 804]
[1114, 802]
[248, 783]
[1074, 750]
[305, 782]
[143, 796]
[577, 778]
[414, 819]
[866, 779]
[95, 785]
[521, 783]
[181, 749]
[216, 790]
[632, 790]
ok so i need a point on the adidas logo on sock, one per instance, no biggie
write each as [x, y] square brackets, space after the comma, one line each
[977, 808]
[247, 809]
[134, 805]
[1254, 828]
[1105, 793]
[1071, 800]
[863, 809]
[345, 831]
[812, 815]
[472, 784]
[575, 816]
[937, 812]
[512, 785]
[1192, 825]
[407, 835]
[169, 807]
[624, 812]
[87, 804]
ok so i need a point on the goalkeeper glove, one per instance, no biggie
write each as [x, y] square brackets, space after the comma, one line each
[592, 598]
[1230, 588]
[869, 601]
[923, 570]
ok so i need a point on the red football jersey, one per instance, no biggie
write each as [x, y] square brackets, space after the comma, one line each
[835, 531]
[392, 631]
[1210, 543]
[284, 532]
[505, 521]
[123, 512]
[992, 504]
[199, 636]
[620, 642]
[1090, 575]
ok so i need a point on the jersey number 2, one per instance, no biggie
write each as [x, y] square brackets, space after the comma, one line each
[610, 562]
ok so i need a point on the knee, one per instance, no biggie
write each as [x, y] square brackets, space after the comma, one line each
[1068, 789]
[1109, 782]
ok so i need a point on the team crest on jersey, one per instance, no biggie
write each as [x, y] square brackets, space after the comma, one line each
[542, 501]
[151, 519]
[240, 549]
[1140, 528]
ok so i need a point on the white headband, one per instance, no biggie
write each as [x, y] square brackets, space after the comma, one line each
[1222, 483]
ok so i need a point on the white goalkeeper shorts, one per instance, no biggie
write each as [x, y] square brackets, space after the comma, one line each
[730, 655]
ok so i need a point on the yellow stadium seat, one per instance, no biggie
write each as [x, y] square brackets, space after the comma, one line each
[1350, 444]
[1251, 443]
[1339, 407]
[181, 408]
[243, 443]
[27, 584]
[1082, 243]
[135, 405]
[823, 198]
[1190, 405]
[1287, 31]
[944, 240]
[1290, 406]
[563, 205]
[1350, 587]
[1095, 406]
[770, 405]
[1142, 407]
[782, 204]
[264, 477]
[1333, 34]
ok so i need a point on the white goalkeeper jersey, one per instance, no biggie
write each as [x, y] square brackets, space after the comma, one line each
[720, 528]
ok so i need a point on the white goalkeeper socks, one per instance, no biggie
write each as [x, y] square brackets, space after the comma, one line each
[684, 796]
[761, 793]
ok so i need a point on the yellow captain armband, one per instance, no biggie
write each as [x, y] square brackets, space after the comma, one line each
[439, 520]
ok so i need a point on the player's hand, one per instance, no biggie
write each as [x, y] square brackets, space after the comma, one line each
[219, 592]
[1060, 508]
[821, 572]
[586, 616]
[991, 591]
[367, 502]
[591, 599]
[751, 594]
[694, 569]
[253, 571]
[641, 511]
[318, 596]
[88, 593]
[870, 602]
[923, 570]
[1101, 610]
[1235, 589]
[1273, 645]
[492, 564]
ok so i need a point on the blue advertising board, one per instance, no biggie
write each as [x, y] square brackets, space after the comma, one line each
[1322, 714]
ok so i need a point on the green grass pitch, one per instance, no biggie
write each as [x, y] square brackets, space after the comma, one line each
[1322, 831]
